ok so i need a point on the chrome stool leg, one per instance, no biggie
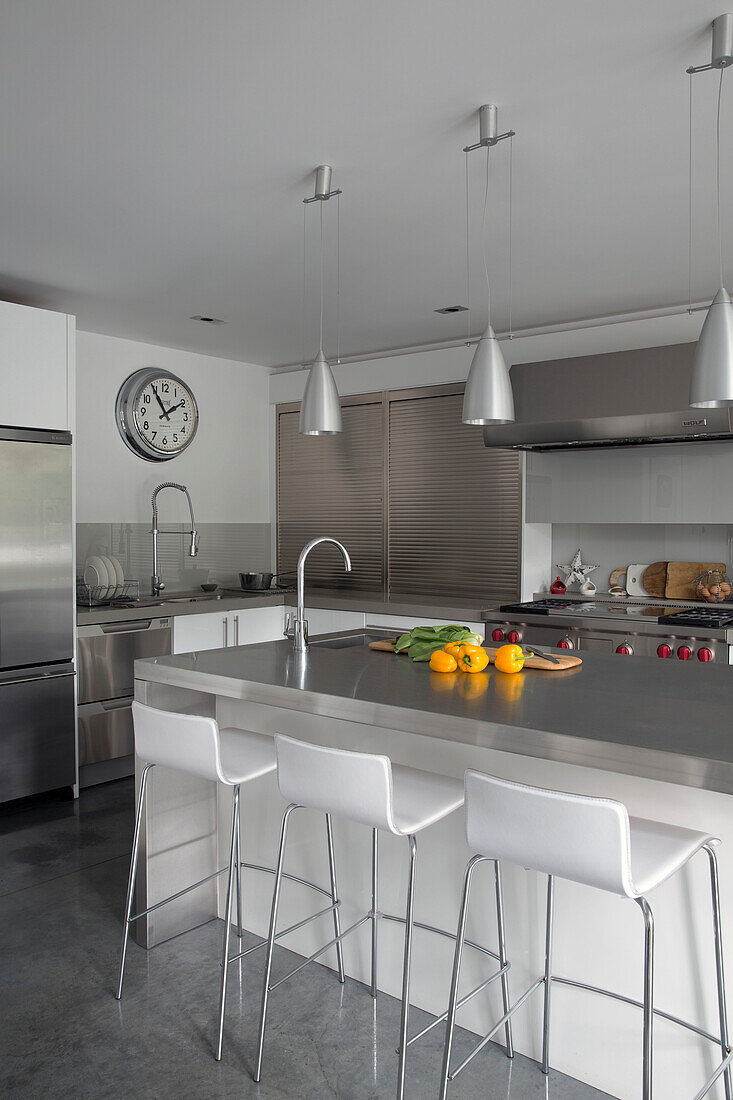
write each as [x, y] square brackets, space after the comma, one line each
[409, 920]
[375, 899]
[719, 969]
[335, 899]
[131, 879]
[271, 940]
[228, 921]
[239, 878]
[453, 999]
[502, 957]
[550, 920]
[648, 998]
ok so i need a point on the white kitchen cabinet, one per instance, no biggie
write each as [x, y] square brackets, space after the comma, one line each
[216, 630]
[36, 367]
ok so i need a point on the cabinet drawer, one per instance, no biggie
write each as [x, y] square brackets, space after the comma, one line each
[105, 731]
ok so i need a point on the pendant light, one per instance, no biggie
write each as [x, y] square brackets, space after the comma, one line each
[711, 382]
[320, 410]
[488, 397]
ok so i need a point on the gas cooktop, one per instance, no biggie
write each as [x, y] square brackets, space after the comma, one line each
[714, 617]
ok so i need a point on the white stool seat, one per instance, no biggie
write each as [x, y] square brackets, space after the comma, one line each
[658, 850]
[419, 798]
[246, 755]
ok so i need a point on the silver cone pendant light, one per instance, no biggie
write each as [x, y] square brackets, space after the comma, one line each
[320, 409]
[711, 381]
[488, 397]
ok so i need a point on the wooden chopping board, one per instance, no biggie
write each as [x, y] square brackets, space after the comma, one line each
[654, 579]
[682, 574]
[567, 660]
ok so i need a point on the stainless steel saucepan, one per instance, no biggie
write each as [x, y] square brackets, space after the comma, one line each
[259, 582]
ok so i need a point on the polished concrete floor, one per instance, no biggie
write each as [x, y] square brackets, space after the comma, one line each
[63, 868]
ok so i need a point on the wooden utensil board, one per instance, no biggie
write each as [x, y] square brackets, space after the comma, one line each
[567, 660]
[682, 574]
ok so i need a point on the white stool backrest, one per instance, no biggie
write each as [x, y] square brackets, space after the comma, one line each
[186, 742]
[355, 785]
[573, 836]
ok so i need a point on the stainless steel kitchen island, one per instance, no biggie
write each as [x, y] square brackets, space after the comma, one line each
[631, 730]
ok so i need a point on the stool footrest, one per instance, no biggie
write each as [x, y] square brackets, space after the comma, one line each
[490, 1035]
[438, 932]
[636, 1004]
[292, 878]
[287, 931]
[311, 958]
[714, 1076]
[180, 894]
[464, 1000]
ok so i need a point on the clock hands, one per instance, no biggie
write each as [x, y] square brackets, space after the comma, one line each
[166, 412]
[171, 409]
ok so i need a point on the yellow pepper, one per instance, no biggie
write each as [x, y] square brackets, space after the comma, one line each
[443, 662]
[472, 658]
[509, 658]
[453, 648]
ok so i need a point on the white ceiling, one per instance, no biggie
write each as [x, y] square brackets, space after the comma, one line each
[154, 154]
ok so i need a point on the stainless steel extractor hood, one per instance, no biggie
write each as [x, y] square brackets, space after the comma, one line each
[621, 399]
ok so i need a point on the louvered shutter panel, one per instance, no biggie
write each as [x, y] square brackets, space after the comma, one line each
[334, 485]
[454, 505]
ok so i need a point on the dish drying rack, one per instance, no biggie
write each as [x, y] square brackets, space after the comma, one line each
[100, 595]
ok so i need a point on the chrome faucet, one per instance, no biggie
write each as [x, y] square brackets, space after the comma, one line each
[156, 584]
[297, 628]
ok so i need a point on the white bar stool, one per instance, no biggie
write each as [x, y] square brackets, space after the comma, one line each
[592, 841]
[196, 745]
[370, 790]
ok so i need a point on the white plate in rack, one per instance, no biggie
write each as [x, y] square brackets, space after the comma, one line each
[96, 574]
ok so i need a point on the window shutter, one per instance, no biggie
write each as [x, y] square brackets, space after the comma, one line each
[454, 505]
[334, 485]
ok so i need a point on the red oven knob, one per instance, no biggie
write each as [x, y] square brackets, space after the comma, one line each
[626, 649]
[497, 635]
[566, 643]
[705, 654]
[513, 637]
[684, 653]
[664, 650]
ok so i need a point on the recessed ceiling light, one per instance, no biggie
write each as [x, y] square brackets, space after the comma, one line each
[209, 320]
[452, 309]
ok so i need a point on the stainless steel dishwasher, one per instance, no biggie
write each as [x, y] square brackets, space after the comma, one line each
[106, 655]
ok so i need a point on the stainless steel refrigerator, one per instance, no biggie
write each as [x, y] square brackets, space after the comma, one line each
[37, 737]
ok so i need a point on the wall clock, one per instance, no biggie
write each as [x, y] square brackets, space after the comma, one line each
[156, 414]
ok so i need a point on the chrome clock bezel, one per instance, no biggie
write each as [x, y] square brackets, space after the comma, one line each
[125, 419]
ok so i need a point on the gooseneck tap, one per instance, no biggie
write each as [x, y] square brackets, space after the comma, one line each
[156, 584]
[297, 629]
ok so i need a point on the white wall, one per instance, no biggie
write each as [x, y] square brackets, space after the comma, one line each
[226, 468]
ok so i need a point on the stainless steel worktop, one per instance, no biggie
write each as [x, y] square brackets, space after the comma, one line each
[420, 607]
[639, 718]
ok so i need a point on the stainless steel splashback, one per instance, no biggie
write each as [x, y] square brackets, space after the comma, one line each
[620, 399]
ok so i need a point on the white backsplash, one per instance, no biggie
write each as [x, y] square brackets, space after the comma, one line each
[615, 545]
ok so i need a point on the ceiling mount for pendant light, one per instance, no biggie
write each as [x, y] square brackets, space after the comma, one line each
[320, 410]
[488, 398]
[711, 382]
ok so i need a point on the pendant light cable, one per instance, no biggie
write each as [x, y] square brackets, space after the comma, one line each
[689, 213]
[483, 238]
[303, 321]
[468, 263]
[511, 189]
[320, 329]
[338, 278]
[717, 176]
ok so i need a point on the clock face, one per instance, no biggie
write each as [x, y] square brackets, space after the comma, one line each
[164, 414]
[156, 414]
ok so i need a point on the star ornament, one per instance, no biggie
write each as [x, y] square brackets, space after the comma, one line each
[575, 570]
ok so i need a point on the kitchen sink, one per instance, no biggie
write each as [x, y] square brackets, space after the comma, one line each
[347, 641]
[191, 599]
